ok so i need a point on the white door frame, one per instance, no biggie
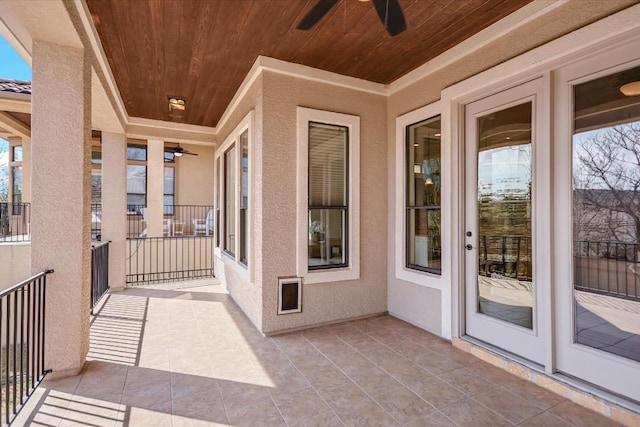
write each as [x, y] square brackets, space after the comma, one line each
[529, 344]
[614, 373]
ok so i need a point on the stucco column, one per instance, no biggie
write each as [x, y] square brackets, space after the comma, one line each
[155, 187]
[61, 198]
[114, 204]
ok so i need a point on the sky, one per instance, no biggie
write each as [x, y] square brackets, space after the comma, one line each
[12, 66]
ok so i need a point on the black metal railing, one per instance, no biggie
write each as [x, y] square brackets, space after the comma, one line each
[608, 268]
[22, 336]
[158, 259]
[99, 272]
[506, 255]
[96, 221]
[178, 220]
[15, 219]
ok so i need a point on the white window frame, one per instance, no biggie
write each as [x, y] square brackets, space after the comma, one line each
[402, 272]
[234, 261]
[338, 274]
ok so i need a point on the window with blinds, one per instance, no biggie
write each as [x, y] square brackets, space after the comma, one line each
[328, 195]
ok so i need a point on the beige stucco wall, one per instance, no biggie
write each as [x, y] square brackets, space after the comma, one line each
[194, 176]
[15, 263]
[419, 304]
[246, 289]
[322, 302]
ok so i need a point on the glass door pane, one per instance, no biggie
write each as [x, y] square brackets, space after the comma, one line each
[606, 215]
[505, 274]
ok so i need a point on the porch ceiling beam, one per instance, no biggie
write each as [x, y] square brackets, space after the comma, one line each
[15, 103]
[15, 126]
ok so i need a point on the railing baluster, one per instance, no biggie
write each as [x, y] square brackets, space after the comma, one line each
[28, 317]
[6, 359]
[22, 291]
[15, 345]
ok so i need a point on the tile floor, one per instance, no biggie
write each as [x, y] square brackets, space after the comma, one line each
[187, 356]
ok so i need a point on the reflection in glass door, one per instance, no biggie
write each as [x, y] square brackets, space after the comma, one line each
[501, 295]
[505, 285]
[606, 215]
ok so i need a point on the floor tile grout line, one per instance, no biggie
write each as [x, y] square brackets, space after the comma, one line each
[307, 379]
[401, 383]
[358, 385]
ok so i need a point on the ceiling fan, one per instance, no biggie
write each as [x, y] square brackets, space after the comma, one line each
[179, 151]
[389, 11]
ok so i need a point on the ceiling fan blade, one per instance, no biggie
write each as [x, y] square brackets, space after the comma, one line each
[316, 14]
[191, 154]
[391, 15]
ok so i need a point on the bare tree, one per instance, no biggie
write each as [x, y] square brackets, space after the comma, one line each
[607, 184]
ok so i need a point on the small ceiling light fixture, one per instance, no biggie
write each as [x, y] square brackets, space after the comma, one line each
[436, 134]
[177, 106]
[631, 89]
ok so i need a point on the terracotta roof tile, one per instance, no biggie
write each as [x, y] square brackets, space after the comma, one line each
[16, 86]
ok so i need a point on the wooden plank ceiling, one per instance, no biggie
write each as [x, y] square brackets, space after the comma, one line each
[202, 50]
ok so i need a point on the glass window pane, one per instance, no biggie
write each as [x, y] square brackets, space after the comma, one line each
[17, 153]
[230, 200]
[424, 238]
[328, 148]
[606, 215]
[136, 179]
[217, 202]
[17, 179]
[17, 190]
[96, 156]
[423, 163]
[423, 190]
[169, 157]
[135, 202]
[136, 152]
[168, 201]
[244, 196]
[327, 238]
[96, 186]
[244, 188]
[169, 181]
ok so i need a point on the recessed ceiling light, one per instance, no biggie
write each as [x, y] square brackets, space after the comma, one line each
[631, 89]
[177, 105]
[415, 144]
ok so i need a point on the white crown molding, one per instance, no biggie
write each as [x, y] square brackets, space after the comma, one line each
[493, 32]
[138, 127]
[263, 63]
[322, 76]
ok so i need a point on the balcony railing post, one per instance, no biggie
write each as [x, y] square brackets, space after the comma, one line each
[99, 273]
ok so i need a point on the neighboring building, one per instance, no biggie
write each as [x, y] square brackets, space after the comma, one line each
[428, 175]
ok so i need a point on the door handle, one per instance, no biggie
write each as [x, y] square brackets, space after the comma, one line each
[468, 246]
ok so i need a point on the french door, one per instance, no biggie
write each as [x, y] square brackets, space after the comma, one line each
[597, 220]
[503, 290]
